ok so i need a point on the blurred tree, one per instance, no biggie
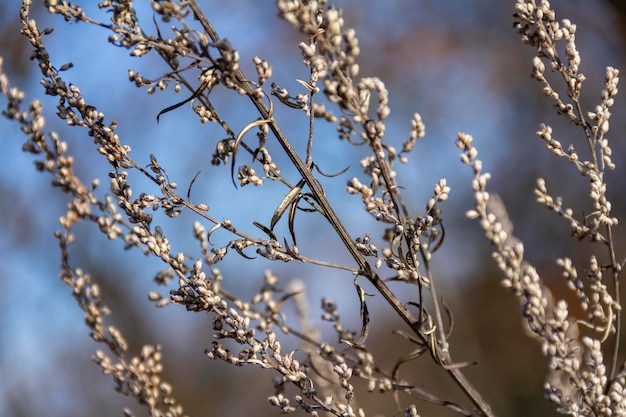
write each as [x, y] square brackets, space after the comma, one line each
[620, 10]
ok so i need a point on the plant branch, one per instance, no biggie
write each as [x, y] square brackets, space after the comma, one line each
[365, 268]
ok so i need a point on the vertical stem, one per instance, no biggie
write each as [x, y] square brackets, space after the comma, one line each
[616, 268]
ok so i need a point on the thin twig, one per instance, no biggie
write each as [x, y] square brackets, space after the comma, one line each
[364, 267]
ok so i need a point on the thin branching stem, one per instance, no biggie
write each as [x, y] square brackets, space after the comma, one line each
[365, 268]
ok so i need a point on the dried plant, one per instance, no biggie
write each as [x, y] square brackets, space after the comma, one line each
[584, 379]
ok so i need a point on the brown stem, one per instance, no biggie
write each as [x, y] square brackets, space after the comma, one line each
[616, 268]
[364, 267]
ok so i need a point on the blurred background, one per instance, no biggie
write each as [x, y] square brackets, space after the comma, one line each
[456, 62]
